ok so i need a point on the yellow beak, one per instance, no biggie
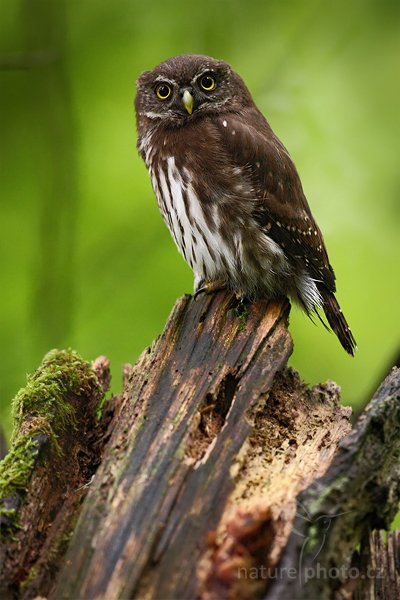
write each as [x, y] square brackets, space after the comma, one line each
[188, 101]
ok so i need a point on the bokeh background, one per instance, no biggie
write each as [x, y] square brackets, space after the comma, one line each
[86, 261]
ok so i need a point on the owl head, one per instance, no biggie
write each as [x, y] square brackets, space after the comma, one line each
[187, 87]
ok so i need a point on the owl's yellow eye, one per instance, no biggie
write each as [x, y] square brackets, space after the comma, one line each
[163, 91]
[207, 82]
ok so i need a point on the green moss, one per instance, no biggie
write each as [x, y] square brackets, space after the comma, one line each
[32, 575]
[62, 373]
[42, 408]
[243, 321]
[313, 537]
[100, 408]
[241, 314]
[15, 467]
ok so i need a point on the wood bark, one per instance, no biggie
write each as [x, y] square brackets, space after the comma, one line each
[221, 475]
[379, 567]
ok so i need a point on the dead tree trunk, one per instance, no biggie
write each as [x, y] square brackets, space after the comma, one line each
[215, 474]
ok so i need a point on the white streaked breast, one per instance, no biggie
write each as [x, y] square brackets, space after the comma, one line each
[201, 248]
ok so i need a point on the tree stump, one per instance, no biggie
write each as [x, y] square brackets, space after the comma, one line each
[215, 474]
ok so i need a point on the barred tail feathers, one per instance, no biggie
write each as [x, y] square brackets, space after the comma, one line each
[338, 322]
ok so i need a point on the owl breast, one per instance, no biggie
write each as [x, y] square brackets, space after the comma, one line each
[196, 231]
[214, 229]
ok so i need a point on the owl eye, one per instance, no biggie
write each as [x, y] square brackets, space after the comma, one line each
[163, 91]
[207, 82]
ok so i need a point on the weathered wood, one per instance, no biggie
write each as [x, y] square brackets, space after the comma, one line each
[186, 402]
[295, 435]
[360, 492]
[200, 447]
[378, 568]
[215, 474]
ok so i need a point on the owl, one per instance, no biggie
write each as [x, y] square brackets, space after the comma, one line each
[228, 190]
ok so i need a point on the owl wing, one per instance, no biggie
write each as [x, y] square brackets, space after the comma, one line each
[281, 207]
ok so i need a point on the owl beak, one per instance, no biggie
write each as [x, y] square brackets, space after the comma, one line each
[187, 99]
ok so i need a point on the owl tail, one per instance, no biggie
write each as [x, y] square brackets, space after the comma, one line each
[337, 321]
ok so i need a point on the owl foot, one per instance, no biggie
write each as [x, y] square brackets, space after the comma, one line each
[209, 287]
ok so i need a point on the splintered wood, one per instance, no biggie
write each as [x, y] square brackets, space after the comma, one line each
[215, 434]
[216, 474]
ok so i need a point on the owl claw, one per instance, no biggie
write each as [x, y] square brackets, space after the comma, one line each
[209, 287]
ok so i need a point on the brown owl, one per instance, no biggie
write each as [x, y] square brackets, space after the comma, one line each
[228, 189]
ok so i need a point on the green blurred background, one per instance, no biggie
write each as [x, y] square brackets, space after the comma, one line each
[85, 258]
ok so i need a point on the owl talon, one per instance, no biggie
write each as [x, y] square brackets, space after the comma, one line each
[209, 288]
[198, 292]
